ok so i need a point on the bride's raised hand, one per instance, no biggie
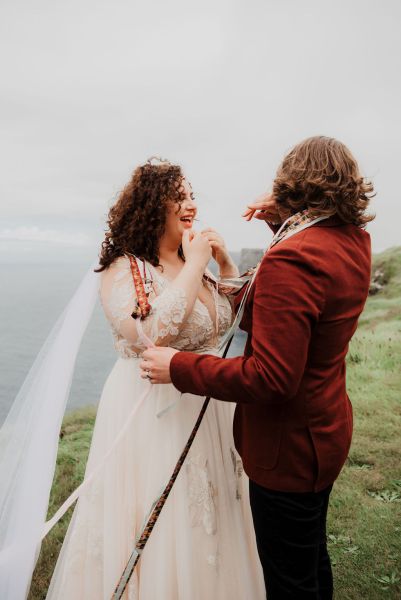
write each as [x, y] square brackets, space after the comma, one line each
[196, 247]
[218, 245]
[220, 253]
[264, 208]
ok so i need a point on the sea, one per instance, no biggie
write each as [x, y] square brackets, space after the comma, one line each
[33, 296]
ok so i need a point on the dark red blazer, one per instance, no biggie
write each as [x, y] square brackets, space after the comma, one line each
[293, 420]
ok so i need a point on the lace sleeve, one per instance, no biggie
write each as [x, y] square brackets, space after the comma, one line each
[118, 298]
[230, 286]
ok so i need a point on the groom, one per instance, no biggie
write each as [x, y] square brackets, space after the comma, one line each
[293, 420]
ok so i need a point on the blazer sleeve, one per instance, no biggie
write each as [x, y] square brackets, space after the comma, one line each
[288, 301]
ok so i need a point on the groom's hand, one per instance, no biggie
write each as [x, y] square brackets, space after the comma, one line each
[265, 209]
[156, 364]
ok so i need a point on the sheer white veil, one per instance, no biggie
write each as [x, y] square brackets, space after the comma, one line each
[29, 440]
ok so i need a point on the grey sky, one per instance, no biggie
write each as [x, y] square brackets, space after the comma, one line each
[91, 88]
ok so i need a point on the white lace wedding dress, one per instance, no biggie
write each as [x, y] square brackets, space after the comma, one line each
[203, 546]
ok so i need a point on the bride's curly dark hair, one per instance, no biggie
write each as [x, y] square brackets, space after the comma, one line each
[137, 220]
[321, 174]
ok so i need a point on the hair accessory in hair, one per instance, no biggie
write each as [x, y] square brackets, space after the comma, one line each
[157, 160]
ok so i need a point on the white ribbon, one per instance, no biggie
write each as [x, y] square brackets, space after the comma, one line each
[120, 436]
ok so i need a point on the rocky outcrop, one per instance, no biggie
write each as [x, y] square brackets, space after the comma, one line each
[378, 282]
[248, 258]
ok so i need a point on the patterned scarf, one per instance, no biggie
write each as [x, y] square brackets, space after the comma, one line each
[294, 224]
[301, 220]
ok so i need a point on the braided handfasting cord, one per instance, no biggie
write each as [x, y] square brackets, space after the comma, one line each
[152, 520]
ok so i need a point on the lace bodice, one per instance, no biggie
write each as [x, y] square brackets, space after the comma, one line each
[165, 325]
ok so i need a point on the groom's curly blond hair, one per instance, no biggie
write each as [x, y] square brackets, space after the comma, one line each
[322, 175]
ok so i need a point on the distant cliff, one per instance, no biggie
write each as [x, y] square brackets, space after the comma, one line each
[249, 257]
[246, 258]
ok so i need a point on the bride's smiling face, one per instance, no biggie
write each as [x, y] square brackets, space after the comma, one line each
[179, 218]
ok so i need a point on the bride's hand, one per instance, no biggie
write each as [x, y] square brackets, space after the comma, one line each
[218, 245]
[196, 247]
[265, 209]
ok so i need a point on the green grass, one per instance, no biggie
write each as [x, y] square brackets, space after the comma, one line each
[364, 524]
[75, 439]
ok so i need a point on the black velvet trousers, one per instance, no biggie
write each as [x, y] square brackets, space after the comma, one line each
[291, 539]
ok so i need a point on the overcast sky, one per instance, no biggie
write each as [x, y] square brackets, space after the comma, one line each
[90, 89]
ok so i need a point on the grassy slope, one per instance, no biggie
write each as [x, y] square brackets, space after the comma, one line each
[364, 520]
[365, 515]
[76, 434]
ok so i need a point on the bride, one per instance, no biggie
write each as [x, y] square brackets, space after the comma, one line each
[203, 544]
